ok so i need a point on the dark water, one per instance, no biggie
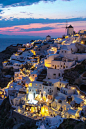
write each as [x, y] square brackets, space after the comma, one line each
[5, 42]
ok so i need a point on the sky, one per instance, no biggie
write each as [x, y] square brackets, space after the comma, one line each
[39, 18]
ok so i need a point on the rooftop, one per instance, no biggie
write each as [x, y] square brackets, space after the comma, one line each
[72, 112]
[70, 26]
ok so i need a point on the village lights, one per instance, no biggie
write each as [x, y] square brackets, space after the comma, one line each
[74, 41]
[82, 42]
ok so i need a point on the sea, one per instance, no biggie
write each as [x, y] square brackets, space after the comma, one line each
[5, 42]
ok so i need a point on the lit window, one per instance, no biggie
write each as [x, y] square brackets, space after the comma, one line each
[36, 84]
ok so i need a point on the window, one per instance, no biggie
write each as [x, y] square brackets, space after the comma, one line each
[36, 84]
[58, 88]
[33, 75]
[52, 90]
[65, 51]
[57, 65]
[66, 66]
[59, 101]
[54, 74]
[61, 65]
[48, 89]
[59, 74]
[62, 51]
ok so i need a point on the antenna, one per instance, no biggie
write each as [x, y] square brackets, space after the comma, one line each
[66, 26]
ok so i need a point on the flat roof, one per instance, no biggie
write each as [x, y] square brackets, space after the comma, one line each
[71, 111]
[37, 82]
[78, 100]
[51, 80]
[59, 98]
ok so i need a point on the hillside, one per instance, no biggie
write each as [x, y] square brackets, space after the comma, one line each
[72, 74]
[72, 124]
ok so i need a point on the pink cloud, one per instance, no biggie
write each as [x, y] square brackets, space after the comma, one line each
[56, 31]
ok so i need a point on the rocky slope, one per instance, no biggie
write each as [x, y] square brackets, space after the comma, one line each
[4, 55]
[72, 74]
[72, 124]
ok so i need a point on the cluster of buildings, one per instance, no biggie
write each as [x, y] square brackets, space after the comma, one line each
[38, 90]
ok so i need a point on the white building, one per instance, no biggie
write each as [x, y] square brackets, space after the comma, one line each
[47, 88]
[57, 67]
[47, 61]
[48, 38]
[70, 30]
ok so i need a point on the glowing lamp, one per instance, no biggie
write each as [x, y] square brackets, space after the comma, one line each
[82, 42]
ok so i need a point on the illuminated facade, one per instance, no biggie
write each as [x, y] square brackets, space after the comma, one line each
[39, 86]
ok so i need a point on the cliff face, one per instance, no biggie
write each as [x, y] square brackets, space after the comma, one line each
[72, 124]
[5, 119]
[72, 74]
[4, 55]
[9, 121]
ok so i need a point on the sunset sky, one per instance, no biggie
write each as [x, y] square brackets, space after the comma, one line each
[21, 18]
